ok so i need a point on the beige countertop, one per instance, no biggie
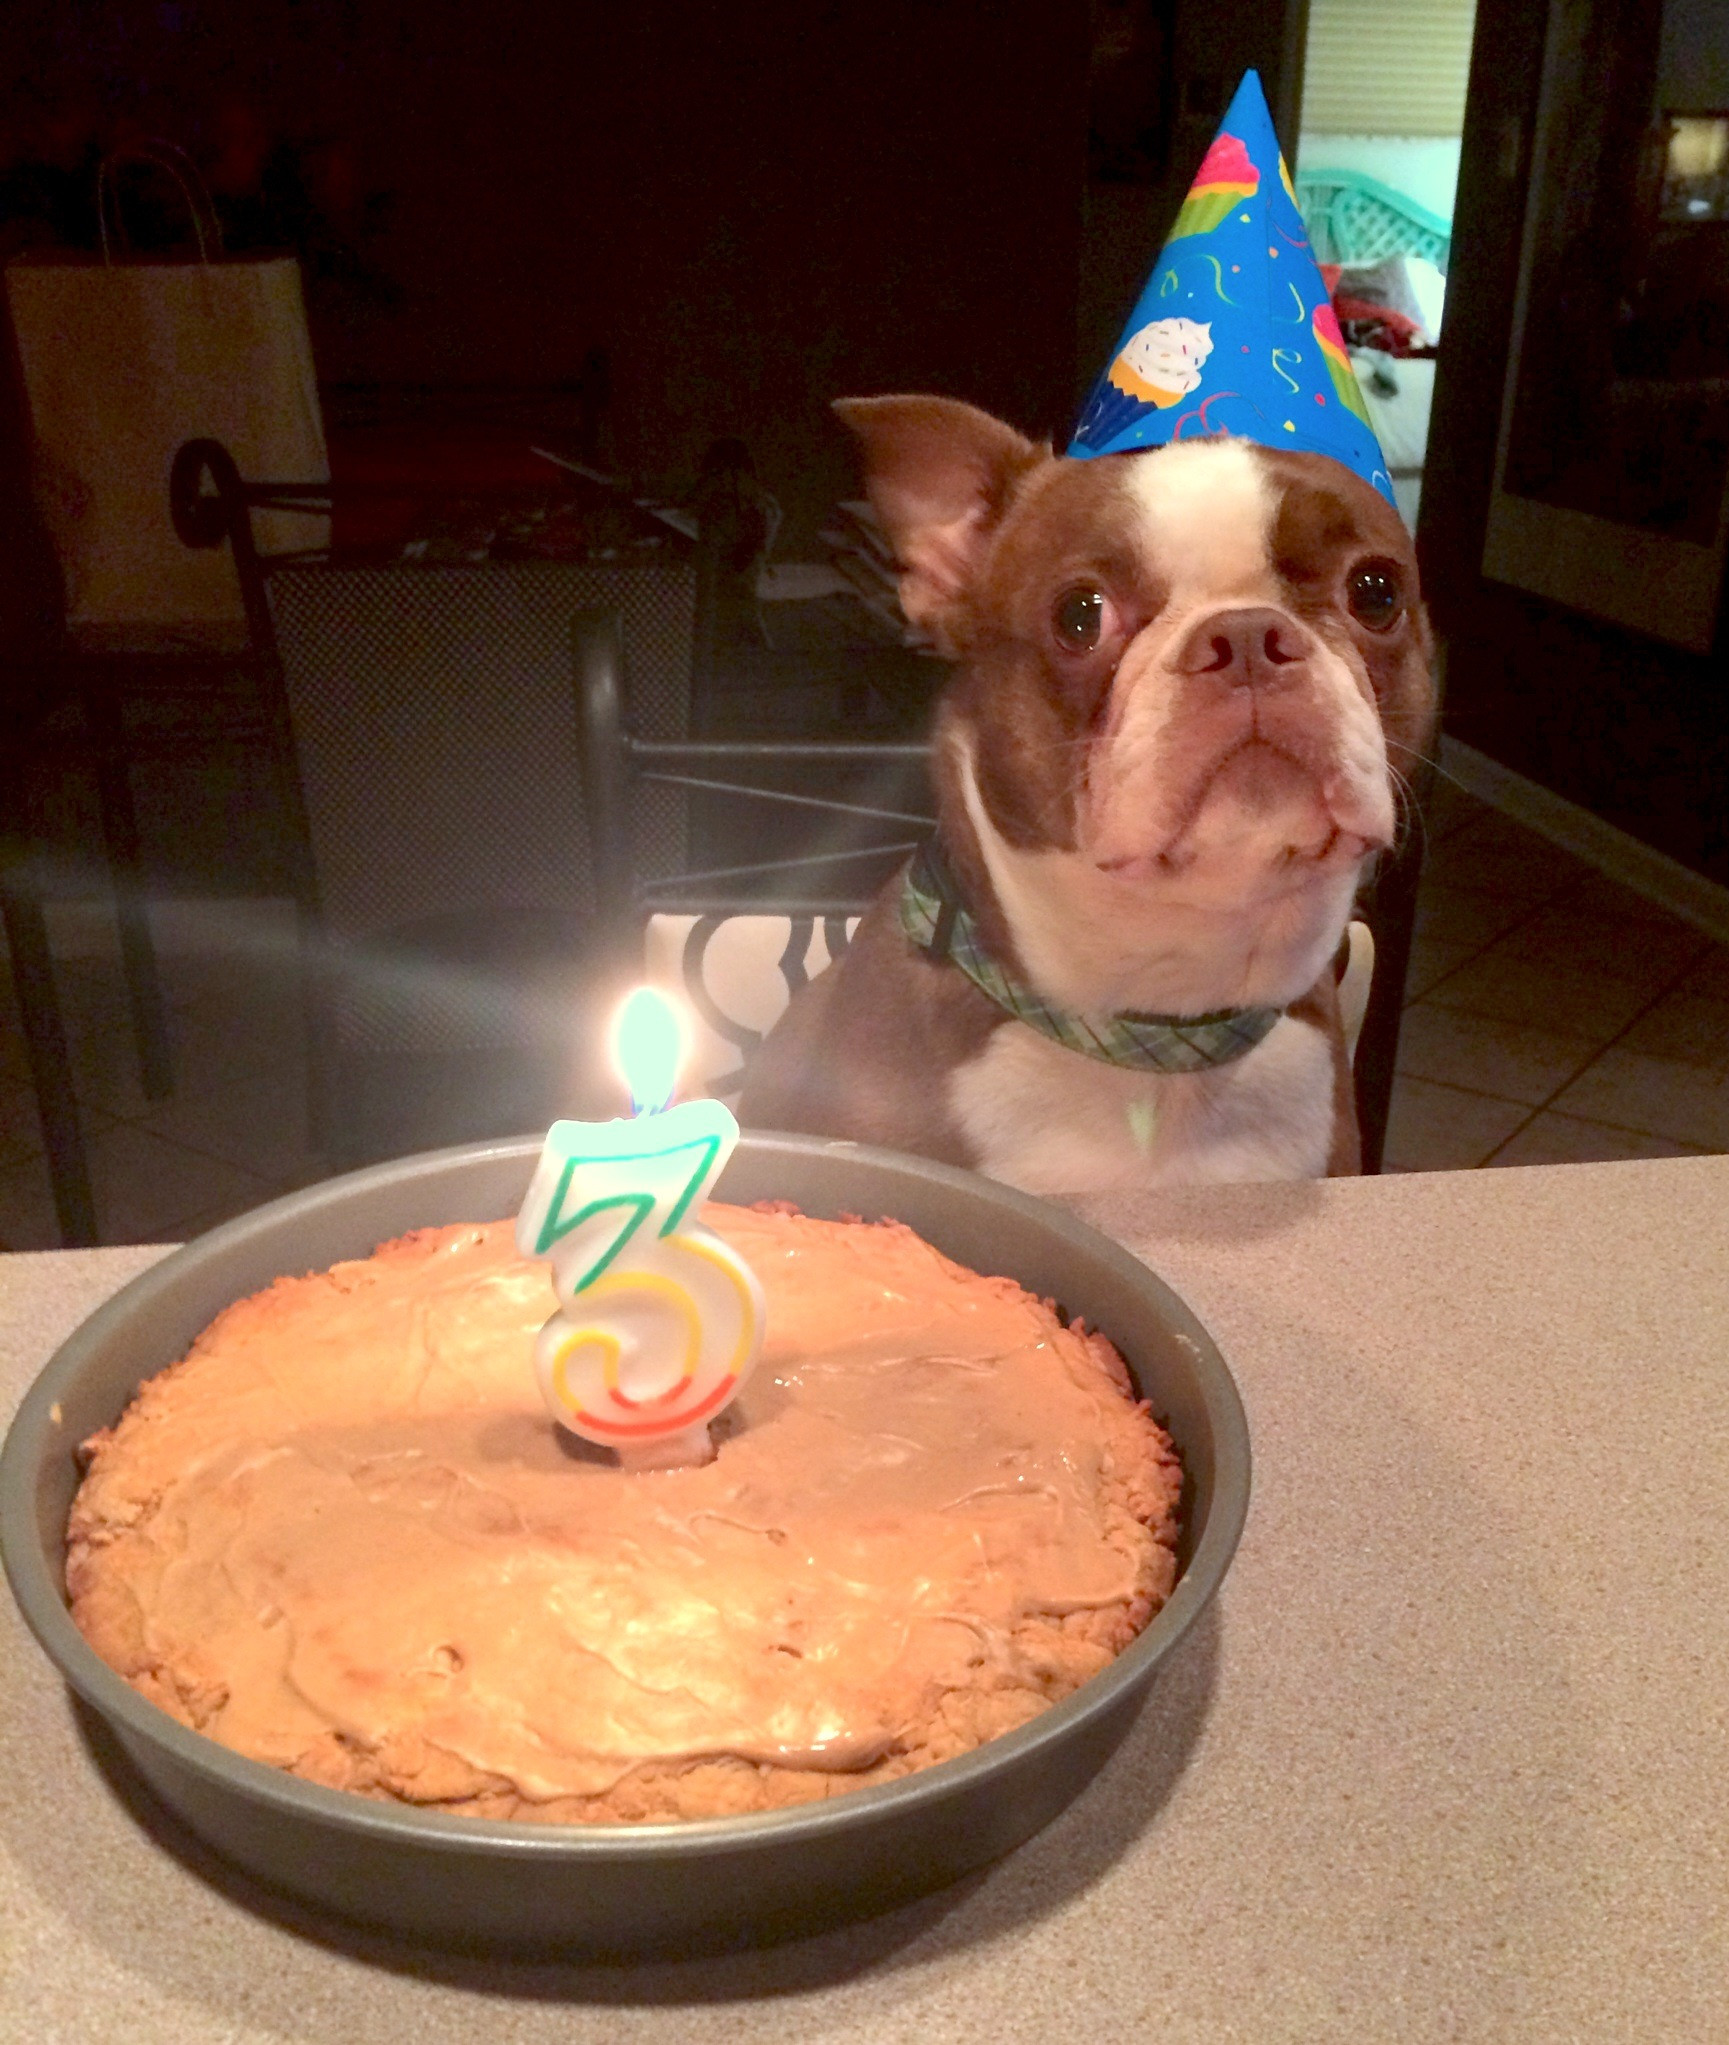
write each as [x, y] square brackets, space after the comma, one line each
[1449, 1759]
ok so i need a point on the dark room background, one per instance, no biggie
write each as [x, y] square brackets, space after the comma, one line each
[733, 214]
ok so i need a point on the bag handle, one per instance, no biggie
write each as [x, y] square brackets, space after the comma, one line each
[176, 165]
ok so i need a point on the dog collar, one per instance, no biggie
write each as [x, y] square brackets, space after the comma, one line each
[937, 920]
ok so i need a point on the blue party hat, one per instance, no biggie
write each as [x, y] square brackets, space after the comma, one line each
[1235, 332]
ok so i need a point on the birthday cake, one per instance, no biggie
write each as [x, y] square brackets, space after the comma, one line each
[344, 1537]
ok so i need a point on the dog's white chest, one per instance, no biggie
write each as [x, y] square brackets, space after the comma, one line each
[1048, 1120]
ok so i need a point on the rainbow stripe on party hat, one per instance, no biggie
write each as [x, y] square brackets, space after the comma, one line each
[1225, 176]
[1235, 333]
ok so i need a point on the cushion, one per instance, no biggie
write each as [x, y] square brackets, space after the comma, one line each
[736, 974]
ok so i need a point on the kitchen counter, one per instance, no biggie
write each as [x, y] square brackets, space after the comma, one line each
[1449, 1759]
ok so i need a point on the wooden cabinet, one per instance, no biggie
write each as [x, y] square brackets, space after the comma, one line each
[1576, 512]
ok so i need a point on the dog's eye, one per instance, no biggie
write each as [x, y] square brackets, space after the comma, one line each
[1374, 595]
[1078, 618]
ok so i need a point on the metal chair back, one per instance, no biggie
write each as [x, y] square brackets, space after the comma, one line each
[426, 723]
[847, 847]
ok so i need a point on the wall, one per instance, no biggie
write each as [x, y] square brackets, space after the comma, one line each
[1387, 67]
[845, 202]
[753, 209]
[753, 205]
[1210, 47]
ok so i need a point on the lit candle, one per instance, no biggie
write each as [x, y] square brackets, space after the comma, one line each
[659, 1321]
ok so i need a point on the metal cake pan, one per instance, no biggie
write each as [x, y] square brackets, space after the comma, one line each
[617, 1890]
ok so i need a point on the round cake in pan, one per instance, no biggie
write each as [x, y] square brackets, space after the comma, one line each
[344, 1536]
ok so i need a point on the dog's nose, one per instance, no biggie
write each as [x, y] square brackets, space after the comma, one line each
[1253, 648]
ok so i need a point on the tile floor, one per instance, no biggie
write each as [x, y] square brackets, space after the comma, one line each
[234, 1131]
[1552, 1017]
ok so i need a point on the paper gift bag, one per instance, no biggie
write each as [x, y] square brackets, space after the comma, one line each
[123, 361]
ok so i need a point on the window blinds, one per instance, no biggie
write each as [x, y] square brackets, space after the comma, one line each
[1387, 67]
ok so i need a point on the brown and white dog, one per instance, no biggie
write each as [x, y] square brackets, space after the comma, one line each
[1185, 680]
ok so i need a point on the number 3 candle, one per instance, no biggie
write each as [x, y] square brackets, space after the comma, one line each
[659, 1321]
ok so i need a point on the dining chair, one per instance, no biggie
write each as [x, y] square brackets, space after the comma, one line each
[428, 726]
[736, 935]
[26, 932]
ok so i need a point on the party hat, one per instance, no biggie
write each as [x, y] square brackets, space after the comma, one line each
[1235, 332]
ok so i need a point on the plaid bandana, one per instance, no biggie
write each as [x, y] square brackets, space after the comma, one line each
[938, 922]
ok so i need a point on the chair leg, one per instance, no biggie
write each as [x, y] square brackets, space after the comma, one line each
[137, 953]
[144, 992]
[1394, 914]
[50, 1068]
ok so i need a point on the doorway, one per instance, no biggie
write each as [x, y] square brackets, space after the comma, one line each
[1383, 110]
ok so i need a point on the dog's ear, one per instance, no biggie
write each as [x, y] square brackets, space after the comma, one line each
[939, 475]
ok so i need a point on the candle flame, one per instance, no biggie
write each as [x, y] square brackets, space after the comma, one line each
[649, 1040]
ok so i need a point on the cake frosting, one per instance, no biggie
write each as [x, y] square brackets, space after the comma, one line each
[344, 1537]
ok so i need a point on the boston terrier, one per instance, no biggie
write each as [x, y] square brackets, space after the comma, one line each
[1188, 681]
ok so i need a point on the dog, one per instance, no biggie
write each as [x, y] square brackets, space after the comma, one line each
[1185, 679]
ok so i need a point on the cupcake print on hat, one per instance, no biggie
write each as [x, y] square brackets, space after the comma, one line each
[1234, 332]
[1225, 178]
[1160, 366]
